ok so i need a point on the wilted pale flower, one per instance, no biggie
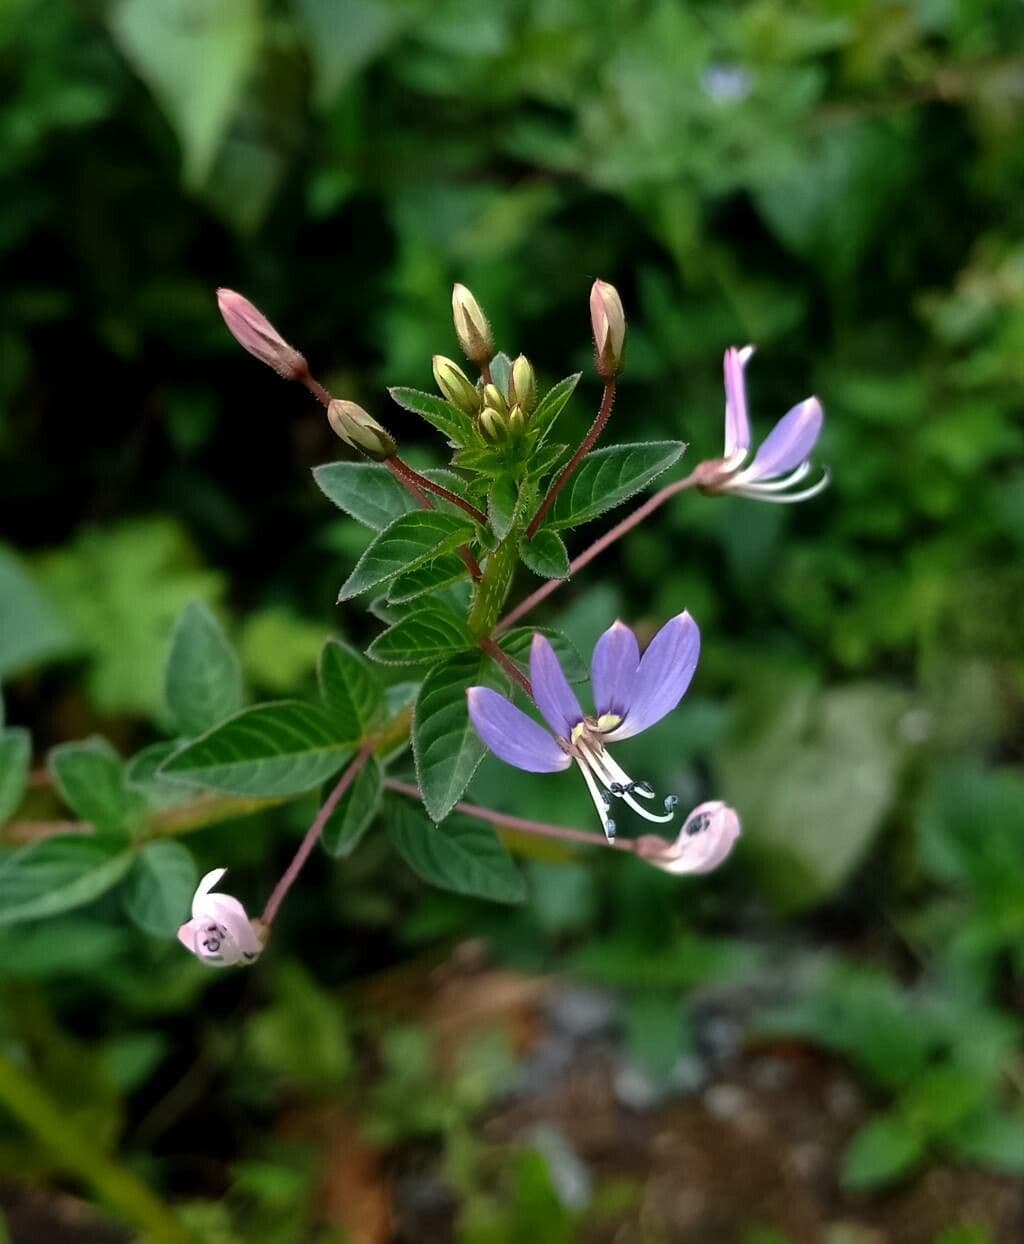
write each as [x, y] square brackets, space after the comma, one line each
[707, 837]
[726, 84]
[630, 693]
[220, 933]
[783, 459]
[255, 333]
[608, 321]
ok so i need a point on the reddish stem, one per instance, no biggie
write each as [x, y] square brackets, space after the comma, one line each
[314, 832]
[615, 533]
[428, 485]
[395, 465]
[507, 664]
[521, 824]
[586, 445]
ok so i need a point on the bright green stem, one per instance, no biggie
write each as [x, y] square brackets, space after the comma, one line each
[77, 1154]
[493, 588]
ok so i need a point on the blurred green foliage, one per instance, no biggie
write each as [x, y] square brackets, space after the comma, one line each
[837, 182]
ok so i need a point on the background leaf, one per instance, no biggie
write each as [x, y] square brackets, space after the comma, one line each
[90, 779]
[465, 856]
[15, 754]
[158, 894]
[203, 676]
[41, 880]
[269, 750]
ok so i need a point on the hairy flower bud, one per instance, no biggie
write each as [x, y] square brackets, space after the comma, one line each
[524, 384]
[492, 426]
[516, 421]
[472, 327]
[456, 385]
[494, 399]
[360, 430]
[255, 333]
[609, 323]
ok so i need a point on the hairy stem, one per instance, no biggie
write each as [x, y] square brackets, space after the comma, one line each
[586, 445]
[314, 832]
[79, 1155]
[521, 824]
[598, 547]
[507, 664]
[405, 471]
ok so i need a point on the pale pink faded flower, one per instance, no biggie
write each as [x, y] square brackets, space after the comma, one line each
[705, 840]
[220, 934]
[255, 333]
[608, 321]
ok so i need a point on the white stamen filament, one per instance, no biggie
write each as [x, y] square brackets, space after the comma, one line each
[773, 485]
[613, 775]
[607, 824]
[760, 492]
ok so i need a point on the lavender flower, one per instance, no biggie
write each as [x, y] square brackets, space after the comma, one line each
[783, 459]
[707, 837]
[631, 694]
[220, 934]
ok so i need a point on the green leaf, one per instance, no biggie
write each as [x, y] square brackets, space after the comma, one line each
[159, 892]
[270, 750]
[46, 878]
[465, 856]
[350, 690]
[371, 494]
[31, 629]
[552, 404]
[442, 572]
[203, 677]
[517, 642]
[501, 372]
[195, 59]
[446, 748]
[142, 776]
[607, 477]
[501, 505]
[448, 419]
[545, 554]
[429, 634]
[841, 752]
[881, 1152]
[545, 458]
[356, 812]
[407, 543]
[995, 1140]
[15, 754]
[90, 778]
[344, 36]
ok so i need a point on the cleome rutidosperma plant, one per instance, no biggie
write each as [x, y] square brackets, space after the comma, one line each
[437, 574]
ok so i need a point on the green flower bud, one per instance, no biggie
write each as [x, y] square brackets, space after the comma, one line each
[524, 384]
[495, 399]
[360, 430]
[492, 426]
[456, 385]
[471, 327]
[516, 421]
[609, 323]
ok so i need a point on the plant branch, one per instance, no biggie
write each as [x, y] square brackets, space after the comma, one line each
[586, 445]
[402, 470]
[507, 664]
[521, 824]
[609, 538]
[314, 832]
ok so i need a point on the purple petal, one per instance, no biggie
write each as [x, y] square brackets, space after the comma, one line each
[511, 735]
[790, 442]
[663, 677]
[555, 698]
[613, 669]
[737, 423]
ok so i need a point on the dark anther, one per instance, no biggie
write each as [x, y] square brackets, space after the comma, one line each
[698, 825]
[644, 788]
[618, 789]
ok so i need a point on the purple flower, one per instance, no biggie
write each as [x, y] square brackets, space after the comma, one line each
[707, 837]
[783, 459]
[631, 693]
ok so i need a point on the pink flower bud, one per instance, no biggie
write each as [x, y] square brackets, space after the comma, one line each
[219, 934]
[255, 333]
[706, 839]
[609, 323]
